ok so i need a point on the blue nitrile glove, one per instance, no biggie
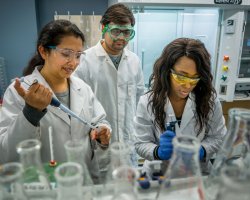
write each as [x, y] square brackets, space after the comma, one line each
[202, 153]
[165, 148]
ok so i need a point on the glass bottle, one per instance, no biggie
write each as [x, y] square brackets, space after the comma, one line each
[11, 187]
[183, 178]
[119, 155]
[125, 183]
[34, 174]
[69, 181]
[75, 152]
[234, 184]
[232, 151]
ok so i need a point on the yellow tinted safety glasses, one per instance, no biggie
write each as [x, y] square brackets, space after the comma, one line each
[183, 80]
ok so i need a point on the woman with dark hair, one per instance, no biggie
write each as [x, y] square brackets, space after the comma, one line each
[181, 92]
[26, 111]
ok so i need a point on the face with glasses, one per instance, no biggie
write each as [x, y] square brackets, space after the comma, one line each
[61, 60]
[183, 77]
[116, 37]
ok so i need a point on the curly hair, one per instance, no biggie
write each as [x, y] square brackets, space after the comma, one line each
[159, 81]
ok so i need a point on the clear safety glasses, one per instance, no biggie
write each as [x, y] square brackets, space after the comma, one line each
[116, 31]
[67, 54]
[183, 80]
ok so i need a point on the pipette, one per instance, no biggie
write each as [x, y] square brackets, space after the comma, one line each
[57, 103]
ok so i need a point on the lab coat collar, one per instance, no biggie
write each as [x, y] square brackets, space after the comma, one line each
[187, 116]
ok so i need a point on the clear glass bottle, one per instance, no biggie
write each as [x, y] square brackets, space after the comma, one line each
[232, 152]
[11, 187]
[183, 178]
[119, 155]
[234, 185]
[29, 152]
[125, 183]
[69, 181]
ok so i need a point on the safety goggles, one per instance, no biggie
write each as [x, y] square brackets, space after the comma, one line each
[183, 80]
[116, 31]
[67, 54]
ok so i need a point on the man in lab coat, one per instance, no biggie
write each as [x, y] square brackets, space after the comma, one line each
[114, 74]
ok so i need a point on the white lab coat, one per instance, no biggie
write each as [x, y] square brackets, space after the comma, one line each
[14, 127]
[147, 135]
[117, 90]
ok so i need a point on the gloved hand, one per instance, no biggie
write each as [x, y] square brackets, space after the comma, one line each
[202, 153]
[165, 148]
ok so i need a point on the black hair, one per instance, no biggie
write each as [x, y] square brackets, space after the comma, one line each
[118, 14]
[51, 35]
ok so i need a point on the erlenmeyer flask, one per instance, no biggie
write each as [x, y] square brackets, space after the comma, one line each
[183, 177]
[11, 187]
[232, 151]
[69, 181]
[125, 183]
[233, 185]
[232, 145]
[29, 151]
[76, 153]
[246, 141]
[119, 155]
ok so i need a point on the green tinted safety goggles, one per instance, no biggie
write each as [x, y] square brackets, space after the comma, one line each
[117, 31]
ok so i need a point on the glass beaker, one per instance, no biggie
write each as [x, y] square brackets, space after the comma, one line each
[11, 187]
[183, 178]
[125, 183]
[69, 181]
[233, 185]
[29, 152]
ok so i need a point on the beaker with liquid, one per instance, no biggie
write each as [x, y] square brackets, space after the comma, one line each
[183, 178]
[33, 171]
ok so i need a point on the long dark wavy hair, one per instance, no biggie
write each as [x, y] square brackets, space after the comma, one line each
[159, 81]
[51, 35]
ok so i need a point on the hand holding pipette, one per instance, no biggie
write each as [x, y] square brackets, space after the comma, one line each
[40, 97]
[37, 96]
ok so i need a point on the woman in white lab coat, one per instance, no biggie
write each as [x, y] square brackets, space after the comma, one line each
[26, 111]
[180, 91]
